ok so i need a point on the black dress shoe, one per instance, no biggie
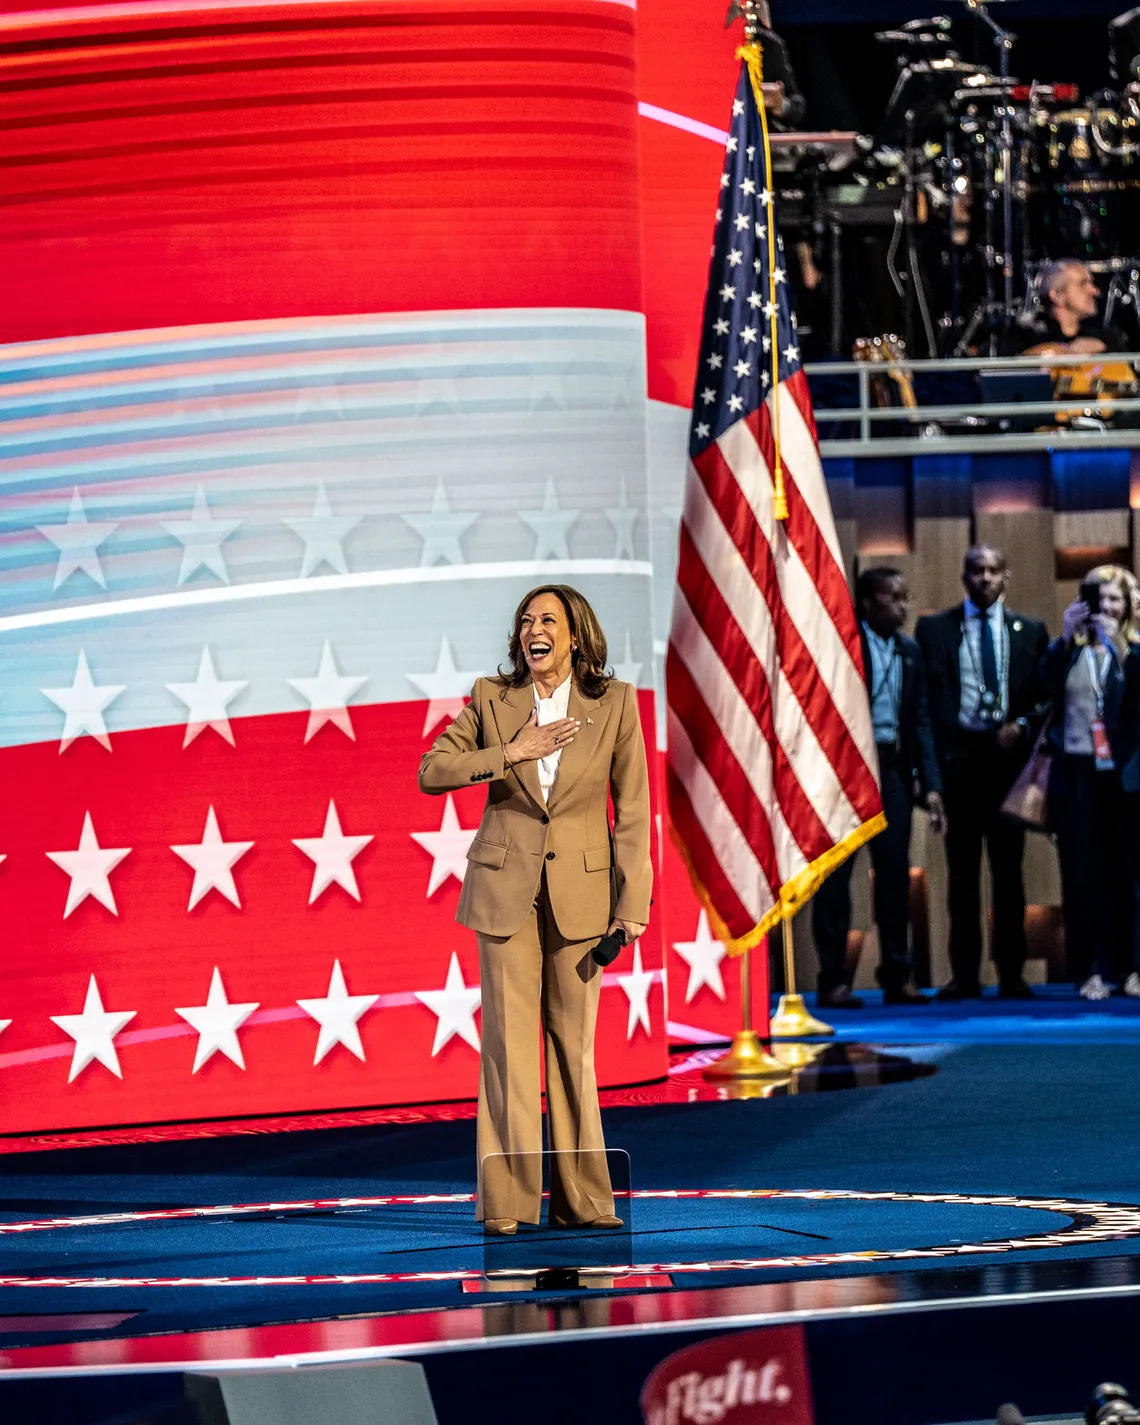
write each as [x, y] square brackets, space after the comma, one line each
[955, 991]
[1015, 989]
[904, 995]
[838, 998]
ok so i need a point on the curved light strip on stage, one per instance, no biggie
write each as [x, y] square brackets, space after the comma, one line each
[1090, 1223]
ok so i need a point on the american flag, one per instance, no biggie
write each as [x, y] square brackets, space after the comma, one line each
[771, 762]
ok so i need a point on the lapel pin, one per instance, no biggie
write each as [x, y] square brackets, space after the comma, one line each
[589, 722]
[1017, 625]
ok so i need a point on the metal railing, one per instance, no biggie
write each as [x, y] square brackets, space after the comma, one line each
[922, 430]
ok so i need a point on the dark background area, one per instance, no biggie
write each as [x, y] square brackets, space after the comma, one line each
[847, 76]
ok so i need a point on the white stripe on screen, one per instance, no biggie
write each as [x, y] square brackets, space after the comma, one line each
[325, 584]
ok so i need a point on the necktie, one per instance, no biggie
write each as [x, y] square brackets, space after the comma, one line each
[991, 693]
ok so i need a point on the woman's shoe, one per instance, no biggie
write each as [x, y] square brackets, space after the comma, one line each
[500, 1226]
[1131, 986]
[1094, 988]
[606, 1220]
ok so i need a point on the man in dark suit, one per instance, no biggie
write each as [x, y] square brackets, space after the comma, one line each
[908, 770]
[983, 670]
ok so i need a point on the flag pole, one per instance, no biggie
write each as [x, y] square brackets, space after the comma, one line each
[792, 1019]
[746, 1058]
[752, 53]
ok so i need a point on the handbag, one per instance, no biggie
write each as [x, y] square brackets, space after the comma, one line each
[1027, 801]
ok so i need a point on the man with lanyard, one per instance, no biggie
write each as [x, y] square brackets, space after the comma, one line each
[983, 670]
[908, 770]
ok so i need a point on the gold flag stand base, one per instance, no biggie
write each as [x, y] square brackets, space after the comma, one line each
[792, 1020]
[796, 1056]
[746, 1059]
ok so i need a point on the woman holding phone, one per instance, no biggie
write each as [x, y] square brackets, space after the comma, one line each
[1092, 673]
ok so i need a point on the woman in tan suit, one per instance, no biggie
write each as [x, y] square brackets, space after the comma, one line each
[555, 739]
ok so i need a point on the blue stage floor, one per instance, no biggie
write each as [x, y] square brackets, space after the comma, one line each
[1055, 1015]
[1052, 1111]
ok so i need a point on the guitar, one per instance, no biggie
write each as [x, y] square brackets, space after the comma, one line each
[1105, 377]
[877, 351]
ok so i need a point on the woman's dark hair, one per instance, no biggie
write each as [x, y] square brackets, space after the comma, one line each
[589, 657]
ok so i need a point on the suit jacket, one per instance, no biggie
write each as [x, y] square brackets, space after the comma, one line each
[915, 734]
[1121, 698]
[940, 638]
[520, 835]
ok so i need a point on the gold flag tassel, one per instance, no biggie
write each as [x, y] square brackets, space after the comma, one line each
[753, 56]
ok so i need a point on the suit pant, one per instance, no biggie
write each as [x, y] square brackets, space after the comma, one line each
[976, 784]
[890, 856]
[537, 972]
[1088, 809]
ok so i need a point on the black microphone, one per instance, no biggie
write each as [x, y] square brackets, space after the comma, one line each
[608, 948]
[1009, 1415]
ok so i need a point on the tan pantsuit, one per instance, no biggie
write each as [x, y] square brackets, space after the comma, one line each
[542, 885]
[538, 965]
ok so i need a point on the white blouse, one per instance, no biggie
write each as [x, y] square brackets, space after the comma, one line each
[551, 709]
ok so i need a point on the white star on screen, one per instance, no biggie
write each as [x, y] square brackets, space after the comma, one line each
[623, 517]
[441, 530]
[737, 107]
[447, 689]
[447, 847]
[213, 860]
[217, 1022]
[89, 867]
[201, 537]
[702, 429]
[714, 361]
[78, 543]
[742, 367]
[730, 146]
[338, 1014]
[327, 695]
[455, 1006]
[721, 327]
[83, 705]
[735, 257]
[207, 699]
[324, 534]
[332, 854]
[628, 670]
[703, 955]
[551, 526]
[741, 222]
[637, 985]
[94, 1033]
[727, 292]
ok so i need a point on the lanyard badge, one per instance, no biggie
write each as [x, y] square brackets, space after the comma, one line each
[1102, 748]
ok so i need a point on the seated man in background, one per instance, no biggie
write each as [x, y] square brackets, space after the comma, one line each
[1066, 319]
[908, 770]
[983, 672]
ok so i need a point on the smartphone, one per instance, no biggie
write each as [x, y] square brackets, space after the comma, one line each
[1089, 594]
